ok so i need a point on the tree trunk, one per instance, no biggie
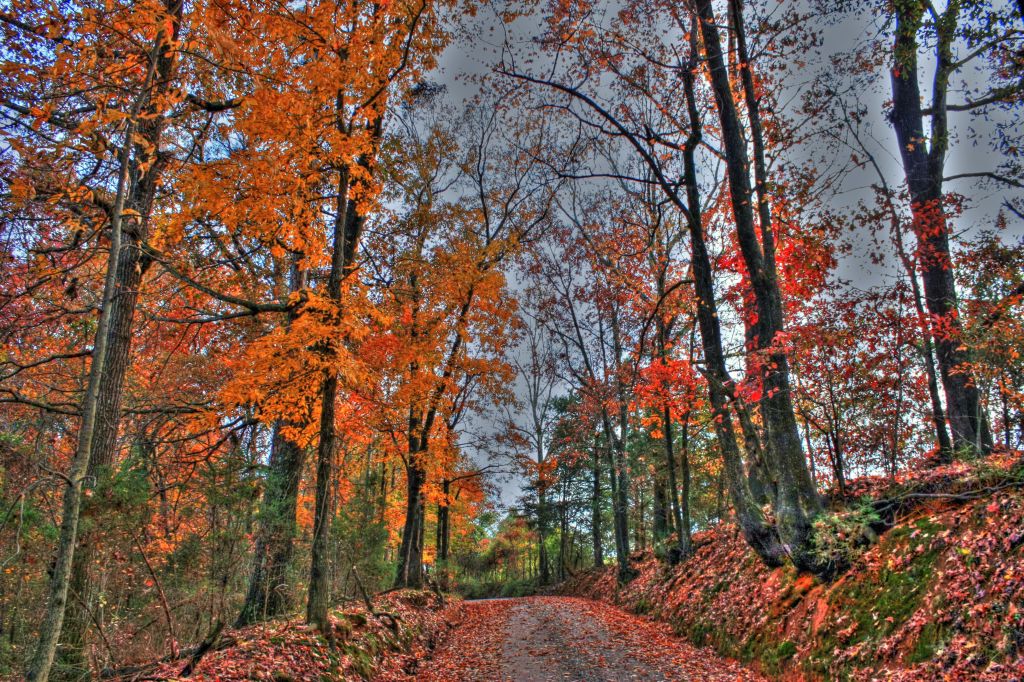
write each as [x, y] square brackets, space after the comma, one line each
[563, 534]
[132, 266]
[797, 501]
[268, 594]
[685, 546]
[542, 535]
[596, 532]
[443, 529]
[319, 597]
[762, 485]
[60, 579]
[347, 227]
[620, 524]
[684, 542]
[621, 502]
[924, 169]
[542, 501]
[942, 440]
[760, 535]
[661, 523]
[410, 555]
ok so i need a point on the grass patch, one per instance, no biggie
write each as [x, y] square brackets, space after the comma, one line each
[929, 642]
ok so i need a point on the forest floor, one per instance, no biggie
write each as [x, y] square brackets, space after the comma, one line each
[536, 639]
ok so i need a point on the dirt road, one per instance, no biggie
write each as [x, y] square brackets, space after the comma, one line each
[538, 639]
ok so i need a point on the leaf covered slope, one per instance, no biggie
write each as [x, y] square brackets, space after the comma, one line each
[939, 596]
[357, 645]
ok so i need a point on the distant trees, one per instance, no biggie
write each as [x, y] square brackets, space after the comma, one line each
[455, 312]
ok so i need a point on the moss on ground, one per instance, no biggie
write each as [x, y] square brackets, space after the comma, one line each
[878, 603]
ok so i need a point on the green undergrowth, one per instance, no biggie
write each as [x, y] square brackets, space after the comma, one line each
[480, 589]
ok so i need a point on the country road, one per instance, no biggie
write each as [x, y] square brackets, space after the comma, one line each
[537, 639]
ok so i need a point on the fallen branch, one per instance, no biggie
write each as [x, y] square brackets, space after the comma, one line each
[392, 618]
[889, 508]
[209, 643]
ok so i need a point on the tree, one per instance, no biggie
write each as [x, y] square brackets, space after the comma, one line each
[534, 361]
[797, 501]
[452, 302]
[924, 161]
[116, 88]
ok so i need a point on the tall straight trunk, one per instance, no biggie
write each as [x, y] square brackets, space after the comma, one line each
[60, 578]
[409, 572]
[542, 536]
[542, 506]
[924, 169]
[661, 523]
[619, 529]
[750, 98]
[268, 594]
[684, 493]
[318, 598]
[83, 603]
[422, 527]
[942, 439]
[797, 501]
[410, 554]
[100, 409]
[620, 522]
[684, 545]
[563, 534]
[640, 523]
[443, 523]
[613, 491]
[621, 504]
[835, 438]
[596, 531]
[1005, 404]
[759, 534]
[684, 542]
[131, 267]
[621, 508]
[348, 228]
